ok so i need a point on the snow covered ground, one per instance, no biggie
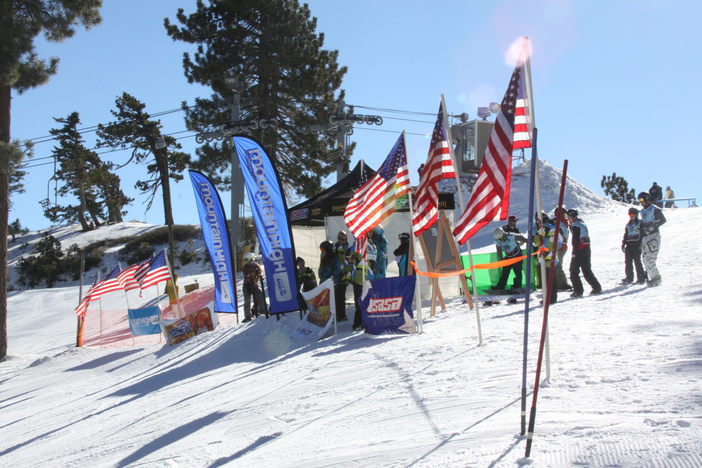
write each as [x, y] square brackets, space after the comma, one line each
[624, 387]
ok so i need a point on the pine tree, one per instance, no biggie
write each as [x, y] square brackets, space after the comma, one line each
[21, 21]
[617, 188]
[84, 175]
[134, 128]
[287, 81]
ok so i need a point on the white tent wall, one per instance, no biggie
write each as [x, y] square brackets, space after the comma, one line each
[307, 240]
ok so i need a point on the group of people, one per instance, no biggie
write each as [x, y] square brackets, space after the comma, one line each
[657, 198]
[640, 245]
[340, 262]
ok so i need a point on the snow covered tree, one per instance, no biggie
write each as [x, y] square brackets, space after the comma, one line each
[286, 80]
[21, 21]
[617, 188]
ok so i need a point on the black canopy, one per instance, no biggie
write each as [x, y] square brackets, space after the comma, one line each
[333, 201]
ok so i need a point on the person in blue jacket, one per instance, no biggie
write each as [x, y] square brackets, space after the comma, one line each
[508, 247]
[631, 246]
[329, 266]
[377, 237]
[580, 259]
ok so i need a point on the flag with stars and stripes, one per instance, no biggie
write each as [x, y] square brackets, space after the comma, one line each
[157, 271]
[439, 166]
[375, 200]
[489, 199]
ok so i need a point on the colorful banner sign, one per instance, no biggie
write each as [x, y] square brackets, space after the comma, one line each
[320, 312]
[144, 321]
[193, 324]
[387, 306]
[272, 226]
[215, 232]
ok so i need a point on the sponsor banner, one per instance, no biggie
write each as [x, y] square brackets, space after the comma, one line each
[193, 324]
[272, 227]
[215, 232]
[320, 312]
[144, 321]
[386, 306]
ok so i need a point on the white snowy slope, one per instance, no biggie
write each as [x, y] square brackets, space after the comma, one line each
[624, 387]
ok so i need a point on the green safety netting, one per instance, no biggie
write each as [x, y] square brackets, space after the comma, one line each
[486, 279]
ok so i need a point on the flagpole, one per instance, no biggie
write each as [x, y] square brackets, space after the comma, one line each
[531, 122]
[417, 289]
[126, 298]
[461, 205]
[173, 284]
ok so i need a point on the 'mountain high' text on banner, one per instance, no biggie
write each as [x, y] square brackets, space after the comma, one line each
[216, 235]
[272, 227]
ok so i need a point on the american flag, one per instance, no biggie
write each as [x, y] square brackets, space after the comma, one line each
[126, 278]
[375, 200]
[438, 166]
[83, 305]
[490, 196]
[109, 284]
[142, 269]
[522, 134]
[361, 245]
[157, 272]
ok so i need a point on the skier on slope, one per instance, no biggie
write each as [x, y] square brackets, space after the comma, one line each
[580, 259]
[631, 246]
[651, 219]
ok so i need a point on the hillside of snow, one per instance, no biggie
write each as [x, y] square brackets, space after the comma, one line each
[619, 388]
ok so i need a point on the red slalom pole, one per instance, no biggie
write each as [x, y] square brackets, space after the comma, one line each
[547, 303]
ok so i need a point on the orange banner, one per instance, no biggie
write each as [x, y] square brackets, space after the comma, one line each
[482, 266]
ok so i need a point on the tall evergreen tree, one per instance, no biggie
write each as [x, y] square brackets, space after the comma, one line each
[84, 175]
[134, 128]
[21, 21]
[287, 81]
[15, 153]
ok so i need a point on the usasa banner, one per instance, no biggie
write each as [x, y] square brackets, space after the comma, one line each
[272, 227]
[387, 306]
[215, 232]
[320, 312]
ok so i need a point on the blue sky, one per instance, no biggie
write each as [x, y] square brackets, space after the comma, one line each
[614, 83]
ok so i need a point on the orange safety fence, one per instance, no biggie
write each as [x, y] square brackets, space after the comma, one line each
[482, 266]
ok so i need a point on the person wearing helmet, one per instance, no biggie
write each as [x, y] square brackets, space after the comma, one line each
[508, 247]
[651, 219]
[655, 194]
[402, 253]
[252, 288]
[377, 237]
[631, 246]
[580, 258]
[306, 279]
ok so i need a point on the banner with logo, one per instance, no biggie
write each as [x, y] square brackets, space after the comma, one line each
[144, 320]
[215, 232]
[387, 306]
[272, 227]
[200, 321]
[320, 312]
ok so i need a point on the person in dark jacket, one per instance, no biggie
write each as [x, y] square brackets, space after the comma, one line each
[580, 259]
[342, 249]
[655, 194]
[508, 247]
[252, 288]
[651, 219]
[377, 237]
[402, 253]
[306, 279]
[631, 246]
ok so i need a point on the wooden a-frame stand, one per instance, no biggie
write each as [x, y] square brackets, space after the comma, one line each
[435, 264]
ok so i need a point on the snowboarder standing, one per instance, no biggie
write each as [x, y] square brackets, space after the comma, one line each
[631, 246]
[580, 259]
[655, 194]
[507, 247]
[251, 288]
[377, 237]
[651, 219]
[402, 253]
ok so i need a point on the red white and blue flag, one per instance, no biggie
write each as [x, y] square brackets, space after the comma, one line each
[375, 200]
[489, 199]
[439, 166]
[157, 271]
[126, 278]
[108, 285]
